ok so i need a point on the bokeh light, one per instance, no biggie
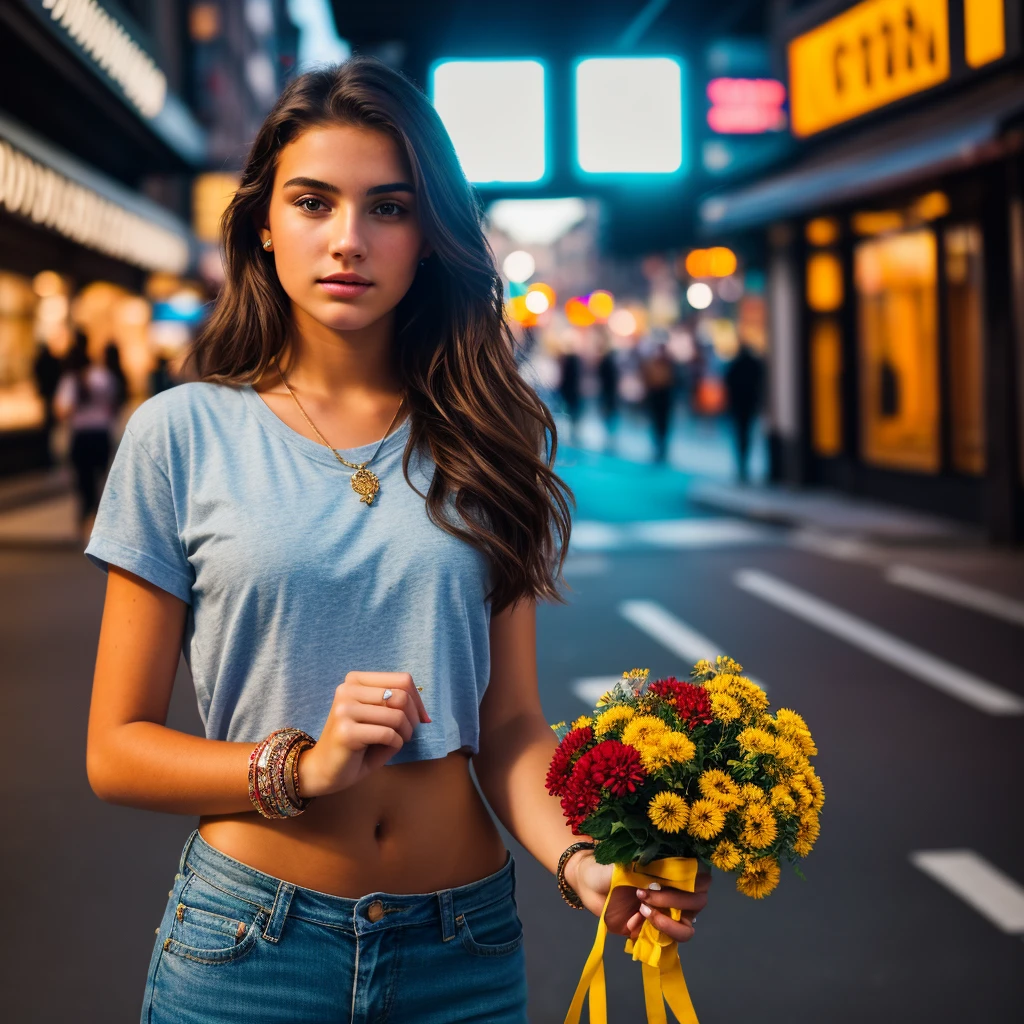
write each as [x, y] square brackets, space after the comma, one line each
[601, 304]
[578, 314]
[698, 263]
[721, 261]
[699, 295]
[519, 266]
[622, 323]
[536, 301]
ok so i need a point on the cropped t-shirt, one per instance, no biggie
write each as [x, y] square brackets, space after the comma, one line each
[290, 579]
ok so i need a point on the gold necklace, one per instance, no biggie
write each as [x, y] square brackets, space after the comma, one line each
[365, 482]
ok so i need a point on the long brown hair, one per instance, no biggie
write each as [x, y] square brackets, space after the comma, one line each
[492, 440]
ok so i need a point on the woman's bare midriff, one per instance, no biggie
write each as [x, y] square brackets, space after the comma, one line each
[408, 828]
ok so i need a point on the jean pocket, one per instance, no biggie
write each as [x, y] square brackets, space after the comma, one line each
[211, 926]
[494, 930]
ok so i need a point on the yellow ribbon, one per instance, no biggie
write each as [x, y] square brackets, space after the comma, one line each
[658, 954]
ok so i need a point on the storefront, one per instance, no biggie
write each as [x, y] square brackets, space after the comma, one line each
[897, 257]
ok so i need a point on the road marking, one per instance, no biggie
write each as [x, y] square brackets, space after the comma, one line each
[593, 535]
[586, 565]
[978, 883]
[841, 547]
[589, 689]
[921, 664]
[956, 591]
[672, 633]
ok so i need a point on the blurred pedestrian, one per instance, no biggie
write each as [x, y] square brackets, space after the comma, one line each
[47, 370]
[608, 391]
[86, 398]
[570, 388]
[112, 361]
[658, 372]
[744, 383]
[160, 378]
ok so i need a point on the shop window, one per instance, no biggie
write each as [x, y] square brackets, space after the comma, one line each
[826, 400]
[21, 408]
[895, 278]
[966, 347]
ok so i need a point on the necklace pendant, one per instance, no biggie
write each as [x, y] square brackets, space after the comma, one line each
[366, 484]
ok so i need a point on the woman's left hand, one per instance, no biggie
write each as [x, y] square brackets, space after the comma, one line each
[625, 916]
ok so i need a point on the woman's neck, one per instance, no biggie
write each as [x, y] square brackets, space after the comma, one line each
[327, 364]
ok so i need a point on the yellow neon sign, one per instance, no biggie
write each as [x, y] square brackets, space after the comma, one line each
[876, 52]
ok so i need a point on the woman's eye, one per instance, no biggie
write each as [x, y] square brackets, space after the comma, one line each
[316, 206]
[397, 210]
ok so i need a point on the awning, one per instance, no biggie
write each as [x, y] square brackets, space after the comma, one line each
[959, 133]
[44, 184]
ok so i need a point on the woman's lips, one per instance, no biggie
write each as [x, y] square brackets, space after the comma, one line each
[344, 289]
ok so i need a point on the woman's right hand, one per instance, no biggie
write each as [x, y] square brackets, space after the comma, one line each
[362, 733]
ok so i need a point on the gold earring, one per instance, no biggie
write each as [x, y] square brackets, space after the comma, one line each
[267, 244]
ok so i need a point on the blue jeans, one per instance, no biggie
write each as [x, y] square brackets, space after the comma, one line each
[237, 945]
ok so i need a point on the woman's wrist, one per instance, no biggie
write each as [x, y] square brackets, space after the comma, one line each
[310, 784]
[572, 867]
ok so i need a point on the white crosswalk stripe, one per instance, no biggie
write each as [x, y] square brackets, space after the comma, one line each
[674, 634]
[957, 592]
[978, 883]
[592, 687]
[949, 678]
[674, 534]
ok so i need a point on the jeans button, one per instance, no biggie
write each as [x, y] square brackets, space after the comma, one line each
[375, 911]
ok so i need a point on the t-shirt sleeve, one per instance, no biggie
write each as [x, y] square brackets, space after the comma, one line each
[136, 525]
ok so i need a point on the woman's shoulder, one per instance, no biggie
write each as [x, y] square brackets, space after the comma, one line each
[184, 410]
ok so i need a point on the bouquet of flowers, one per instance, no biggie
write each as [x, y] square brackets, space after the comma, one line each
[669, 774]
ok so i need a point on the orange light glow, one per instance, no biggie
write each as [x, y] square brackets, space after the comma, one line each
[822, 231]
[577, 313]
[721, 261]
[698, 263]
[601, 304]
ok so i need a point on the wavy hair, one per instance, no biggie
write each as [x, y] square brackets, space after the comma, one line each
[492, 440]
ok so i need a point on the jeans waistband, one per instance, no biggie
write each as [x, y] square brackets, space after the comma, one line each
[375, 911]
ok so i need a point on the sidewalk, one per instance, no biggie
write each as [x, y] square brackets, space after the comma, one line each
[831, 513]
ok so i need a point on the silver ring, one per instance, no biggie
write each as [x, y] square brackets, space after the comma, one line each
[693, 920]
[386, 696]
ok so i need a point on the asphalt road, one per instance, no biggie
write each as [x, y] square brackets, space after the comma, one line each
[919, 756]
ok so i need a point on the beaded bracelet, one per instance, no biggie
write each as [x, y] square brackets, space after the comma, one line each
[274, 773]
[568, 893]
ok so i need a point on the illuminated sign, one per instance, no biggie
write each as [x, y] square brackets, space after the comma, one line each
[629, 115]
[746, 106]
[494, 112]
[105, 40]
[876, 52]
[75, 211]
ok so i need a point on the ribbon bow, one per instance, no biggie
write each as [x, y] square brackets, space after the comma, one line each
[658, 954]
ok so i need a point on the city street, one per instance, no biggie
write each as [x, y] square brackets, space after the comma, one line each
[903, 659]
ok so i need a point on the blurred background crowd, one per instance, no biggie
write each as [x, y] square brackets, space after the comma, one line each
[764, 259]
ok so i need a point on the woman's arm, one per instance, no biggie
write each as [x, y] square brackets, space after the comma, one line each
[134, 759]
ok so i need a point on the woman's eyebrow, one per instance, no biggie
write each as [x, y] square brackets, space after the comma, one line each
[322, 186]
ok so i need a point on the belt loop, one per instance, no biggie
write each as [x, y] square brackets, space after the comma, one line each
[282, 904]
[185, 851]
[447, 905]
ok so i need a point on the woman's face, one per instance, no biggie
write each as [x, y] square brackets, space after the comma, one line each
[343, 204]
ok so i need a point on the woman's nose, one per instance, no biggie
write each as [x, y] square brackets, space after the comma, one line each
[347, 237]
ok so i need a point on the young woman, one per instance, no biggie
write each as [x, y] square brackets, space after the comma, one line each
[383, 616]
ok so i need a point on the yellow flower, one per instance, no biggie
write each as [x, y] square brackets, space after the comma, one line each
[752, 794]
[801, 793]
[653, 756]
[725, 664]
[703, 666]
[727, 856]
[717, 787]
[782, 800]
[642, 730]
[725, 707]
[790, 722]
[756, 741]
[759, 877]
[612, 719]
[582, 721]
[668, 811]
[678, 747]
[807, 833]
[706, 819]
[555, 726]
[816, 788]
[759, 827]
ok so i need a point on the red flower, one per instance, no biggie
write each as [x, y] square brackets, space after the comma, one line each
[580, 798]
[561, 761]
[691, 702]
[613, 765]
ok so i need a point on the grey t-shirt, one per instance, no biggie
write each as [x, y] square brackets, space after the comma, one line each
[290, 579]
